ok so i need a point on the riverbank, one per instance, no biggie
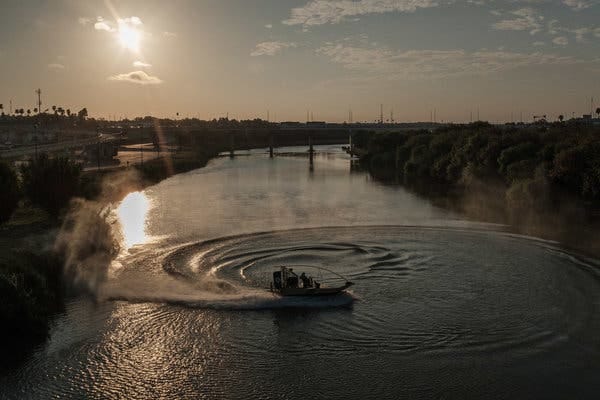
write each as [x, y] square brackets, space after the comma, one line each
[33, 281]
[542, 181]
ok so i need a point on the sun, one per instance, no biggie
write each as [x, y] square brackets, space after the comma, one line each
[129, 38]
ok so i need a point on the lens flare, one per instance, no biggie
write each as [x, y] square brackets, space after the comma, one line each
[132, 214]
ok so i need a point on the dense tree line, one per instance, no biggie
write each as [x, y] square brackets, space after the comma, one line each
[526, 160]
[48, 183]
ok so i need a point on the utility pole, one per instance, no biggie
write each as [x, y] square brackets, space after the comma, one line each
[39, 93]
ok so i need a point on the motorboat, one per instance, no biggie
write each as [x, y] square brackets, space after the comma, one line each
[287, 283]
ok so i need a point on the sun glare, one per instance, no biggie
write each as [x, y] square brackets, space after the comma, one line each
[129, 38]
[132, 216]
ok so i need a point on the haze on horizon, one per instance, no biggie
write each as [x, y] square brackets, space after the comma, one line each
[209, 58]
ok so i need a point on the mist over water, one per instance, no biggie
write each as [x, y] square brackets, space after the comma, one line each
[441, 307]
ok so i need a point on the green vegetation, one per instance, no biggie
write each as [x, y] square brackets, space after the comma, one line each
[9, 192]
[51, 182]
[542, 168]
[30, 284]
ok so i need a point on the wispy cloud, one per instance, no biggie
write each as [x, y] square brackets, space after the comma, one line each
[320, 12]
[270, 48]
[578, 4]
[138, 77]
[526, 19]
[169, 34]
[421, 64]
[84, 20]
[141, 64]
[560, 40]
[269, 26]
[56, 66]
[102, 25]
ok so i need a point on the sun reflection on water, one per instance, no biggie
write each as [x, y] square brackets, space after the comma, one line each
[132, 215]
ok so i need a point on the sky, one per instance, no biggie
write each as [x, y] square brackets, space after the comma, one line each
[500, 59]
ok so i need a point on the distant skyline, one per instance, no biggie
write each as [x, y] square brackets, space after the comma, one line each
[210, 58]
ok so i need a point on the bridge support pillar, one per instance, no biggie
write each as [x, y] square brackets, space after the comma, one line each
[310, 150]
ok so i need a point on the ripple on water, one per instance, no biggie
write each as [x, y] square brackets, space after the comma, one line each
[187, 313]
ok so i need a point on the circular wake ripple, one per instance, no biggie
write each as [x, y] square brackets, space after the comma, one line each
[421, 289]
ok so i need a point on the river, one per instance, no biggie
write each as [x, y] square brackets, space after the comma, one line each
[440, 307]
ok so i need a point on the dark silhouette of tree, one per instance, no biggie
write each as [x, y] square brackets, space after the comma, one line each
[51, 183]
[54, 109]
[82, 114]
[68, 112]
[28, 112]
[598, 112]
[9, 192]
[561, 118]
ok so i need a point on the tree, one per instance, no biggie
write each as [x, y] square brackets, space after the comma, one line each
[50, 183]
[561, 118]
[82, 114]
[9, 192]
[598, 112]
[54, 109]
[28, 112]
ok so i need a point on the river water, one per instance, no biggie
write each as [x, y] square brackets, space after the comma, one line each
[441, 307]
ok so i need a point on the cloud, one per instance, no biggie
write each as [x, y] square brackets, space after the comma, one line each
[320, 12]
[269, 26]
[83, 20]
[578, 4]
[56, 66]
[130, 21]
[427, 64]
[527, 19]
[270, 48]
[169, 34]
[102, 25]
[141, 64]
[539, 43]
[560, 40]
[139, 77]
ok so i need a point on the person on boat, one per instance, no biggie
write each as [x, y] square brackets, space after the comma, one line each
[292, 280]
[306, 281]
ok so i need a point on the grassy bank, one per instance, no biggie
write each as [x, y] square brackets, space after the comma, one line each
[543, 180]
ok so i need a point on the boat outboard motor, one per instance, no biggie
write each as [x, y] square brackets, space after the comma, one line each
[277, 280]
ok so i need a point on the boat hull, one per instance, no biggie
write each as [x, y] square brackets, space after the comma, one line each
[326, 291]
